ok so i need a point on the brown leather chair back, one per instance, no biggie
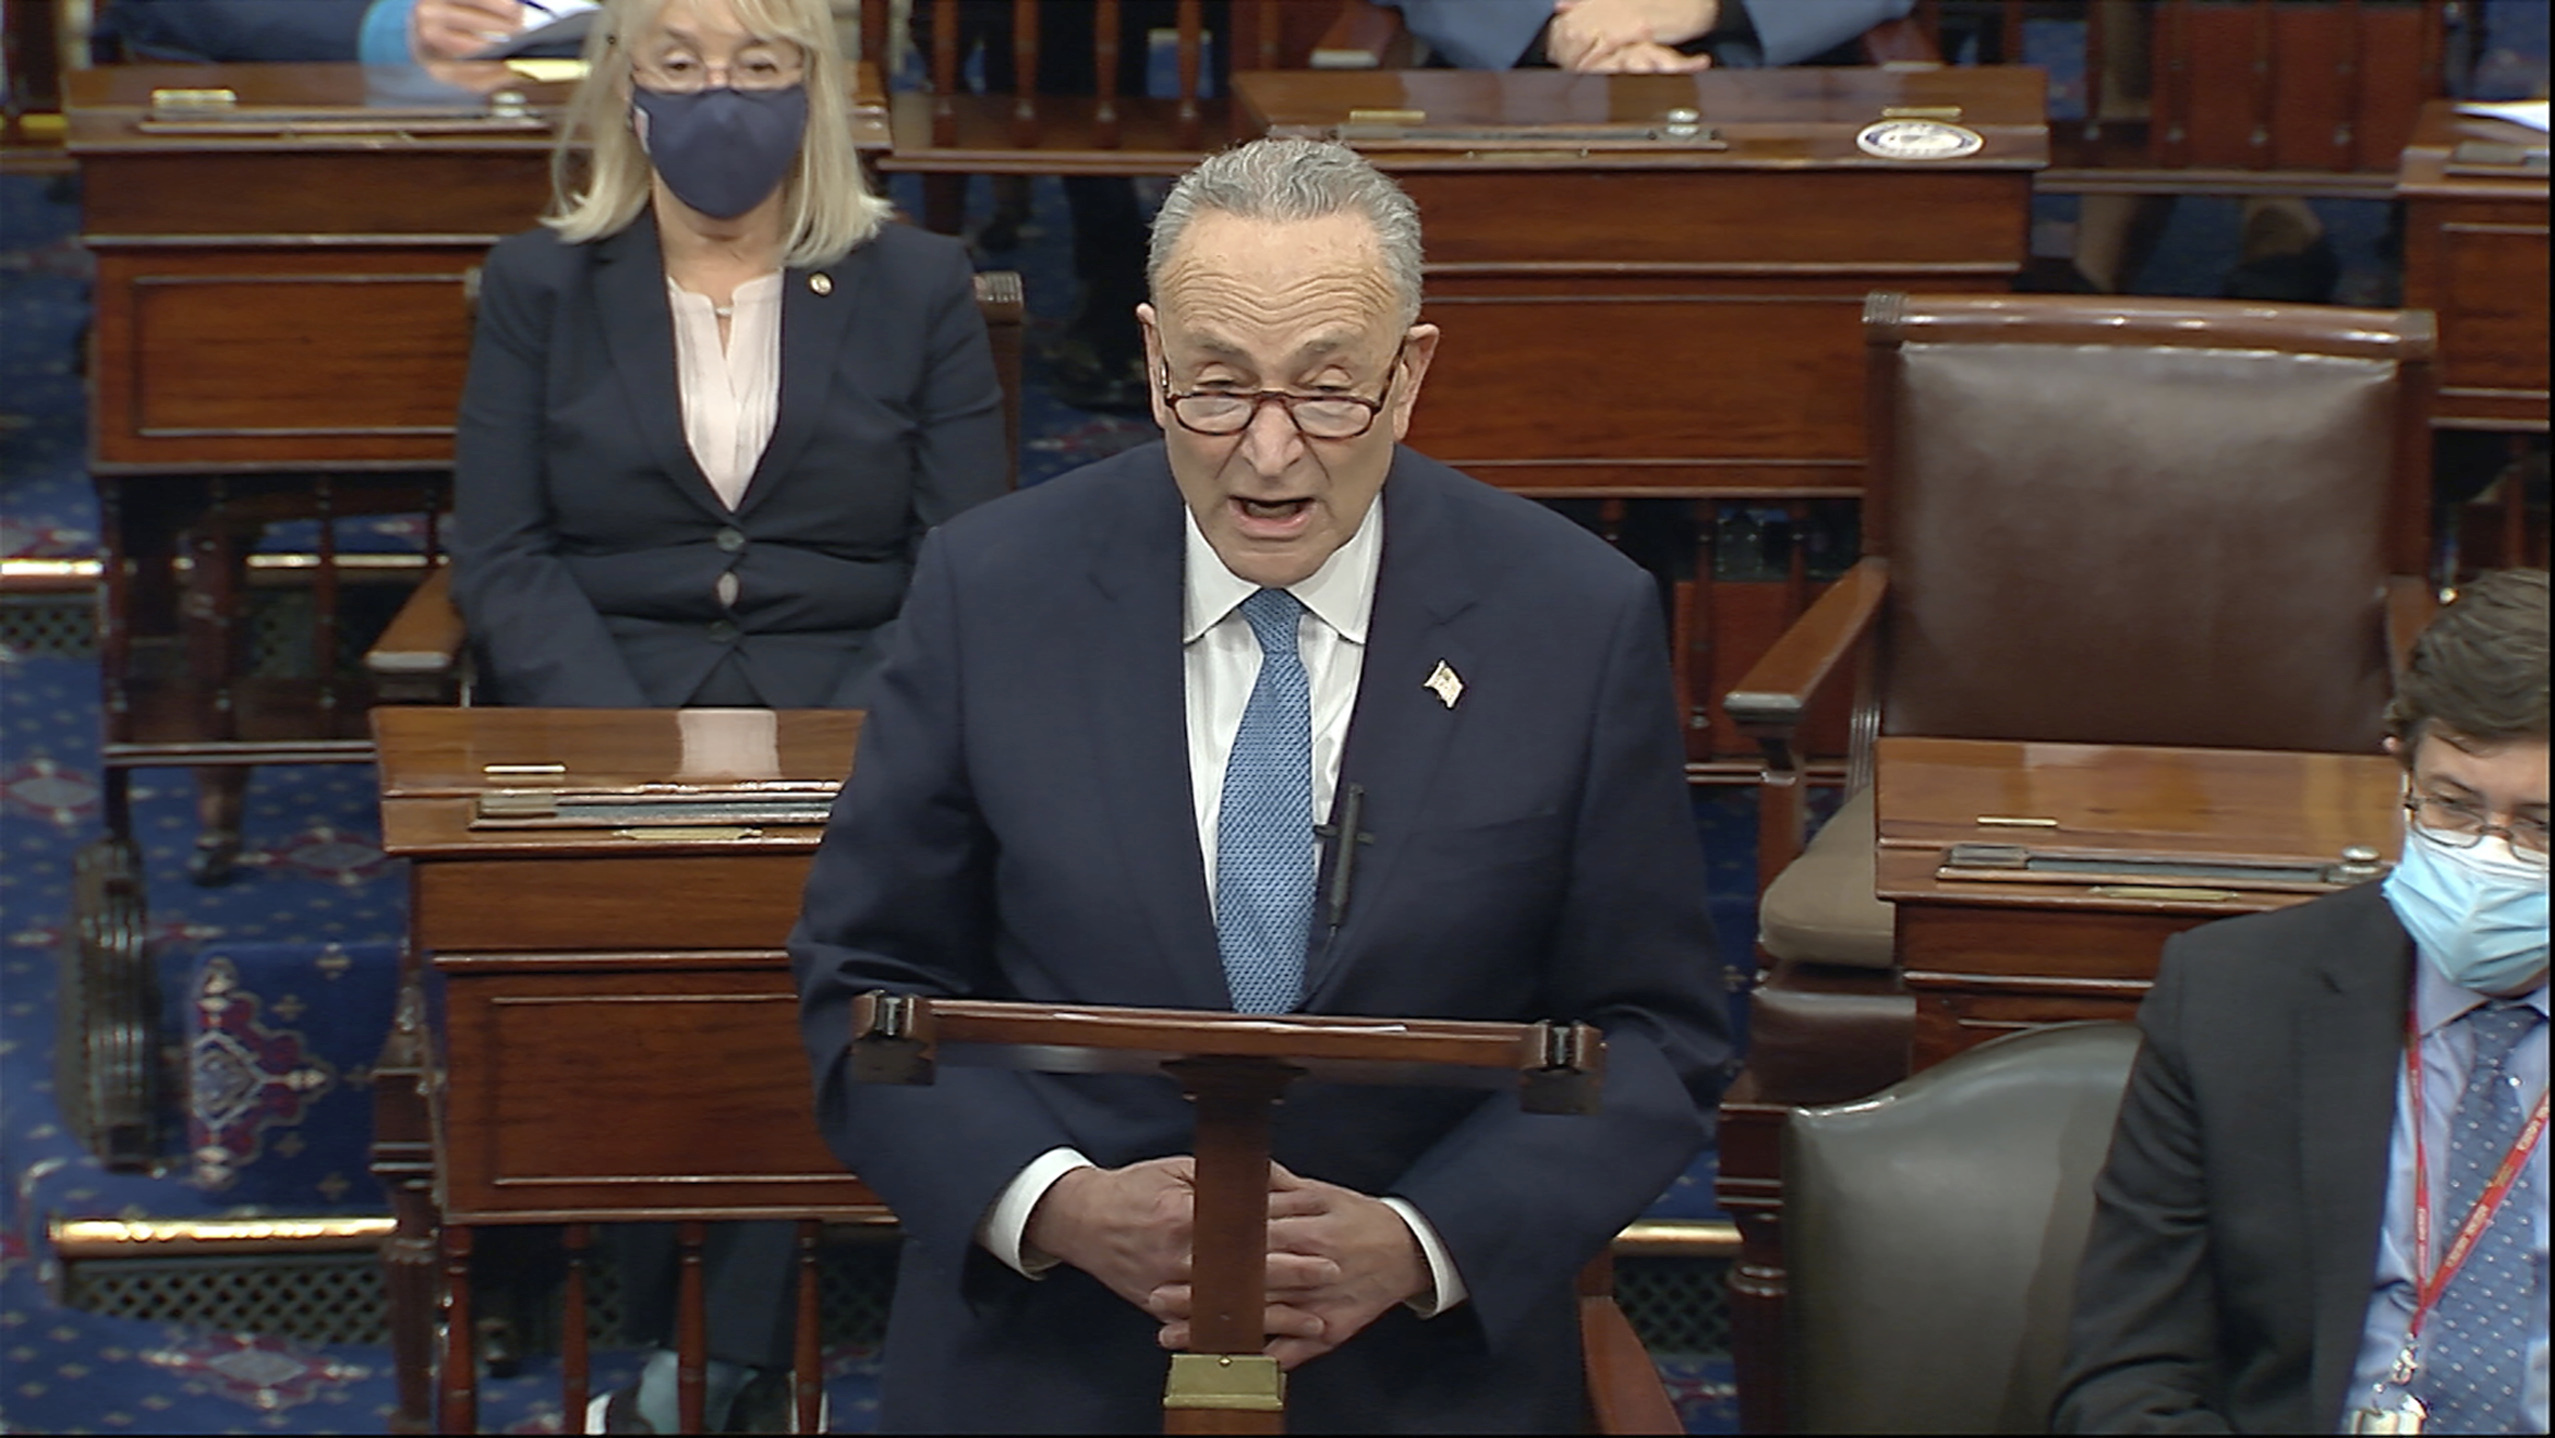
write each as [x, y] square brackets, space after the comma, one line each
[2142, 521]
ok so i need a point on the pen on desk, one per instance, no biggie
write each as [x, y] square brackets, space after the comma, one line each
[1345, 837]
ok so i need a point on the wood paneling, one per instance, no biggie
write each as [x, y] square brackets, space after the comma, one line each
[694, 901]
[2475, 252]
[2493, 311]
[246, 357]
[184, 191]
[648, 1090]
[1844, 219]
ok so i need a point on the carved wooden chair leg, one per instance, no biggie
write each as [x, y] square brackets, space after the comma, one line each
[573, 1376]
[457, 1410]
[807, 1357]
[403, 1159]
[691, 1328]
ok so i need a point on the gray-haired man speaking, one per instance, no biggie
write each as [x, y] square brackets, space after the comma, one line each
[1119, 706]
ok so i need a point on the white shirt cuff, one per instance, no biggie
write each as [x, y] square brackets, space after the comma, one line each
[1448, 1284]
[1006, 1225]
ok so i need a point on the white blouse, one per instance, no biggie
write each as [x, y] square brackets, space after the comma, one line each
[731, 393]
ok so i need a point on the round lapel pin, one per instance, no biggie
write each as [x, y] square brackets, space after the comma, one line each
[823, 284]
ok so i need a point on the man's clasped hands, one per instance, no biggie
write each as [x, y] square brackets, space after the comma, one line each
[1629, 37]
[1337, 1258]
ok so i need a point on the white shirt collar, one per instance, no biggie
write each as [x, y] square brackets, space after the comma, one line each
[1341, 593]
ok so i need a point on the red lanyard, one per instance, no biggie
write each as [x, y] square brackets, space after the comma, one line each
[2427, 1288]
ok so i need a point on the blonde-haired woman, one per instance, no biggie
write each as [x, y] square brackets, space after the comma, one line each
[714, 404]
[717, 399]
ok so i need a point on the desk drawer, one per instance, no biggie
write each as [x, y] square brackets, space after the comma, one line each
[1986, 943]
[651, 903]
[1766, 221]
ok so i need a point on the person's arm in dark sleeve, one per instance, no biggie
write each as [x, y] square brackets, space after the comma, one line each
[1478, 34]
[1521, 1200]
[543, 641]
[1787, 32]
[2143, 1345]
[959, 439]
[901, 898]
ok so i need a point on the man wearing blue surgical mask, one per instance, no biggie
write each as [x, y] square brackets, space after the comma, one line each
[2325, 1208]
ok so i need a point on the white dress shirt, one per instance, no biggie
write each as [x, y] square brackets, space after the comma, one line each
[1220, 664]
[731, 390]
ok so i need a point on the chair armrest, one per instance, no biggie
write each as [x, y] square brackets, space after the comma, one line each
[1624, 1391]
[1902, 42]
[424, 642]
[1363, 36]
[2410, 603]
[1769, 700]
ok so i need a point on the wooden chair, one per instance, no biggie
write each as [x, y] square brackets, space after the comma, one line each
[2177, 522]
[423, 655]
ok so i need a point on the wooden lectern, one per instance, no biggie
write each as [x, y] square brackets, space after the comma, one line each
[1233, 1068]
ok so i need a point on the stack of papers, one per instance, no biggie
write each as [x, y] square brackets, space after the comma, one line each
[552, 28]
[2531, 113]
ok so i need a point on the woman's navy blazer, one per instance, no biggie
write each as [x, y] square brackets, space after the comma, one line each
[588, 545]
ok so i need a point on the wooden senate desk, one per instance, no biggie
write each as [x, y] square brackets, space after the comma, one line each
[1642, 304]
[1989, 950]
[2475, 253]
[599, 1006]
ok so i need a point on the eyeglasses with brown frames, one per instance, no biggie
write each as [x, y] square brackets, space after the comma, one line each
[1223, 412]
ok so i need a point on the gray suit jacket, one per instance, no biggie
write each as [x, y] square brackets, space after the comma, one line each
[2235, 1235]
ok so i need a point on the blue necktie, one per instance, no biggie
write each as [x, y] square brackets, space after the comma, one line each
[2470, 1376]
[1264, 831]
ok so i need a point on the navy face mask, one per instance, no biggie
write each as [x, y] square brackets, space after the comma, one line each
[722, 151]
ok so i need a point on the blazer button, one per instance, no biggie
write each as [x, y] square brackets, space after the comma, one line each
[723, 630]
[731, 539]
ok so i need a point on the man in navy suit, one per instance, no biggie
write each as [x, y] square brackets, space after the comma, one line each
[1114, 710]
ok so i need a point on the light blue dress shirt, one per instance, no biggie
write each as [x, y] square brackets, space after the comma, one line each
[384, 38]
[2448, 1054]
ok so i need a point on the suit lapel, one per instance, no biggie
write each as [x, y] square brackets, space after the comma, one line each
[1135, 700]
[816, 313]
[1400, 730]
[638, 325]
[2350, 1042]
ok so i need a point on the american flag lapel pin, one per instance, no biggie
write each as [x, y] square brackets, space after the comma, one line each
[1443, 682]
